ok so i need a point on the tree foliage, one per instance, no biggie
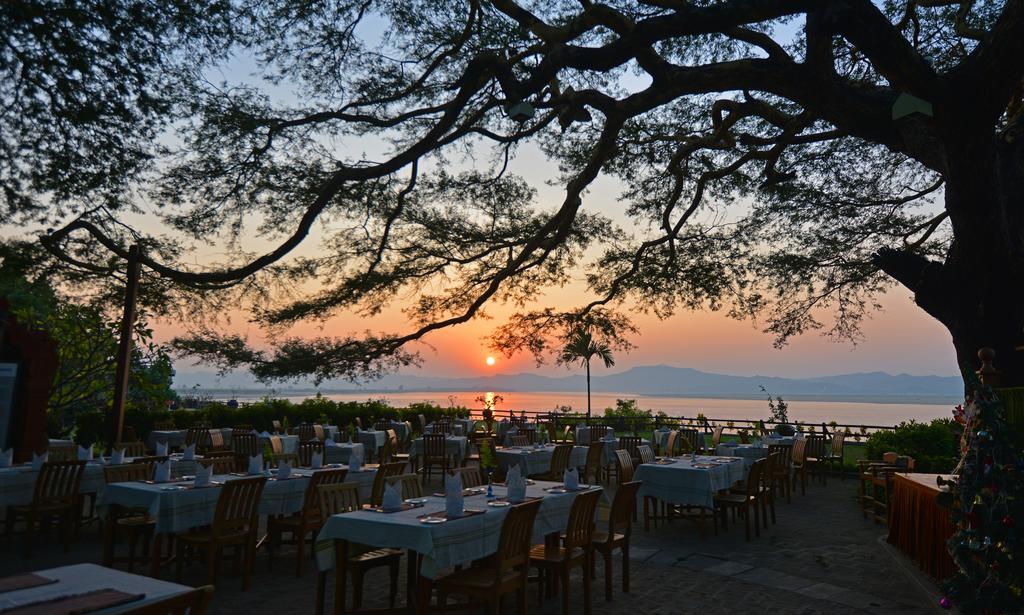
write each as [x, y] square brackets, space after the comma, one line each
[765, 166]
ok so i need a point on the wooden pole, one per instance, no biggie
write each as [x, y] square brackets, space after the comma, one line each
[124, 349]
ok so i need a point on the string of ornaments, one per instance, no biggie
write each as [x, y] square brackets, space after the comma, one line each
[986, 502]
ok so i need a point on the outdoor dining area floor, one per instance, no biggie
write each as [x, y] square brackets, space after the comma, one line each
[821, 557]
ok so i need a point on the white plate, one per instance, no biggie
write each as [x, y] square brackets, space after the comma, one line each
[416, 501]
[557, 490]
[498, 504]
[432, 520]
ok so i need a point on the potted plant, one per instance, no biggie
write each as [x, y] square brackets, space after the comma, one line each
[779, 414]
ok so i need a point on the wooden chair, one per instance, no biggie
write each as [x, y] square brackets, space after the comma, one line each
[386, 452]
[423, 424]
[798, 464]
[691, 439]
[235, 524]
[290, 458]
[595, 463]
[576, 549]
[202, 424]
[559, 461]
[200, 436]
[471, 477]
[769, 481]
[304, 522]
[834, 456]
[306, 432]
[435, 454]
[671, 442]
[62, 453]
[623, 466]
[306, 450]
[779, 467]
[382, 424]
[620, 527]
[341, 498]
[225, 465]
[815, 454]
[646, 453]
[241, 428]
[520, 440]
[135, 523]
[319, 433]
[627, 444]
[276, 425]
[131, 449]
[195, 602]
[216, 443]
[55, 497]
[384, 471]
[567, 437]
[164, 426]
[504, 573]
[409, 485]
[744, 436]
[598, 432]
[396, 447]
[245, 444]
[716, 437]
[745, 503]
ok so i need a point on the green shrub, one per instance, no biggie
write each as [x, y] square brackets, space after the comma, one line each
[934, 446]
[627, 416]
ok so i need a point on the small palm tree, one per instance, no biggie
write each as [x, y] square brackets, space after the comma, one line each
[583, 347]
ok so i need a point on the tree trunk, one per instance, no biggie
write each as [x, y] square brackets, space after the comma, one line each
[978, 291]
[588, 392]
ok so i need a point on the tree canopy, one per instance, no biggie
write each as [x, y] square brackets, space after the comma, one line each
[784, 159]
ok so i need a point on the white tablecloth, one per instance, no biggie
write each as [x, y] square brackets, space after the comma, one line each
[373, 440]
[748, 452]
[176, 438]
[82, 578]
[504, 427]
[339, 453]
[177, 510]
[681, 483]
[537, 461]
[442, 546]
[456, 447]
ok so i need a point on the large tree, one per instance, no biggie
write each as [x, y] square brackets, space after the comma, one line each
[782, 158]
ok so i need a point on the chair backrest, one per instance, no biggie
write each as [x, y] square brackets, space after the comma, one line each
[200, 436]
[816, 445]
[744, 437]
[471, 477]
[754, 478]
[670, 444]
[516, 538]
[423, 423]
[306, 450]
[291, 458]
[560, 459]
[382, 424]
[595, 456]
[774, 468]
[131, 448]
[338, 498]
[386, 451]
[58, 481]
[692, 438]
[519, 440]
[225, 465]
[127, 473]
[409, 484]
[319, 433]
[567, 434]
[625, 464]
[838, 438]
[306, 432]
[629, 444]
[129, 434]
[194, 602]
[435, 446]
[580, 526]
[646, 453]
[780, 454]
[202, 424]
[164, 426]
[620, 519]
[799, 447]
[518, 421]
[598, 431]
[716, 436]
[384, 470]
[276, 425]
[215, 443]
[311, 499]
[552, 432]
[276, 446]
[241, 428]
[443, 426]
[62, 453]
[531, 435]
[245, 444]
[238, 505]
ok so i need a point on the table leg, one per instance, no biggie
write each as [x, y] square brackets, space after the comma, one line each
[321, 586]
[411, 574]
[423, 589]
[340, 575]
[109, 530]
[155, 558]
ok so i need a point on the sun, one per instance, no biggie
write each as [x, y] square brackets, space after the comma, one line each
[489, 360]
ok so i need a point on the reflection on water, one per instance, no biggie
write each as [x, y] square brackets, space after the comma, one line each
[844, 412]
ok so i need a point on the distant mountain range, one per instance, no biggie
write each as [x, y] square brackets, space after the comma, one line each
[653, 380]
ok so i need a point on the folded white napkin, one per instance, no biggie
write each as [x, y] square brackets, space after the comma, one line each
[516, 485]
[203, 475]
[571, 479]
[84, 453]
[163, 472]
[330, 442]
[189, 453]
[265, 434]
[355, 460]
[39, 460]
[453, 505]
[392, 497]
[161, 449]
[256, 464]
[316, 461]
[6, 458]
[117, 456]
[284, 470]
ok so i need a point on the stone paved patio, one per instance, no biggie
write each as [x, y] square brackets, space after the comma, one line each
[821, 557]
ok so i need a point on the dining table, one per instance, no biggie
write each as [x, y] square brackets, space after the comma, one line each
[454, 445]
[18, 482]
[536, 460]
[437, 546]
[67, 588]
[690, 480]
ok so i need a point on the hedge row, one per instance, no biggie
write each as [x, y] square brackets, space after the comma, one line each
[89, 426]
[935, 446]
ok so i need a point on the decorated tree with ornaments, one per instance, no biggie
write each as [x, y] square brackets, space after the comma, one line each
[987, 504]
